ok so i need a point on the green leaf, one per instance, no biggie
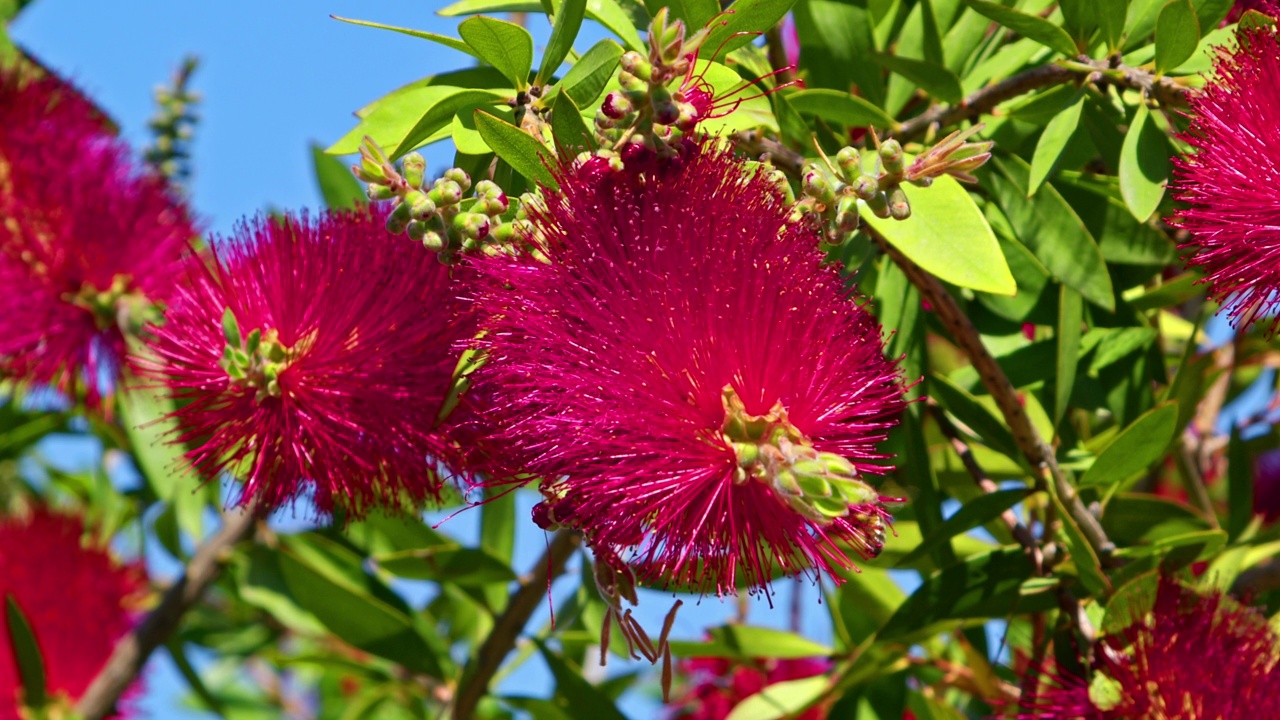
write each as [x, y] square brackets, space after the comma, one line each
[1177, 34]
[1239, 486]
[589, 76]
[748, 19]
[569, 129]
[606, 12]
[694, 13]
[260, 583]
[1070, 320]
[445, 40]
[1144, 165]
[26, 656]
[526, 155]
[975, 513]
[439, 115]
[466, 138]
[145, 415]
[948, 236]
[781, 699]
[931, 77]
[840, 107]
[352, 610]
[338, 187]
[967, 409]
[506, 46]
[1133, 450]
[1050, 229]
[1034, 27]
[447, 563]
[745, 641]
[1134, 518]
[580, 699]
[1053, 141]
[568, 21]
[988, 585]
[1087, 564]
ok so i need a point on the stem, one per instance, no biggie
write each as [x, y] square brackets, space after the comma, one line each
[524, 600]
[1037, 451]
[777, 53]
[132, 651]
[984, 100]
[1019, 531]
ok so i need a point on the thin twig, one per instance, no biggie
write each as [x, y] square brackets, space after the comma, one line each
[132, 651]
[1037, 451]
[1019, 531]
[983, 100]
[776, 49]
[506, 630]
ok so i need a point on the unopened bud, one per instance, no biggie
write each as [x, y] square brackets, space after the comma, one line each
[472, 225]
[459, 176]
[616, 106]
[417, 230]
[850, 163]
[399, 219]
[635, 64]
[891, 156]
[866, 187]
[445, 192]
[665, 109]
[899, 206]
[847, 214]
[816, 186]
[415, 169]
[420, 206]
[879, 205]
[433, 241]
[380, 192]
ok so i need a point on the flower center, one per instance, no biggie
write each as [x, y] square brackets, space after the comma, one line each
[254, 360]
[821, 486]
[120, 305]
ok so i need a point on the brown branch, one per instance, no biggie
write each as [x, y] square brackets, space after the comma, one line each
[526, 598]
[1037, 451]
[1019, 531]
[984, 100]
[776, 50]
[132, 651]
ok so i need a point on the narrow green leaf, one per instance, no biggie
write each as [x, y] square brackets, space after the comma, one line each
[1239, 486]
[1070, 320]
[1050, 229]
[695, 13]
[745, 641]
[568, 21]
[439, 115]
[338, 187]
[1144, 165]
[781, 699]
[1037, 28]
[931, 40]
[589, 76]
[1133, 450]
[445, 40]
[933, 78]
[988, 585]
[1052, 142]
[1088, 566]
[749, 18]
[1177, 34]
[948, 236]
[569, 129]
[1135, 518]
[26, 656]
[840, 107]
[991, 430]
[145, 415]
[975, 513]
[504, 45]
[581, 699]
[608, 13]
[447, 563]
[520, 150]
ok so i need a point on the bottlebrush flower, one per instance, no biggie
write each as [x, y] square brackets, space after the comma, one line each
[88, 242]
[77, 599]
[1192, 656]
[689, 378]
[1266, 7]
[1230, 182]
[717, 685]
[1266, 485]
[315, 353]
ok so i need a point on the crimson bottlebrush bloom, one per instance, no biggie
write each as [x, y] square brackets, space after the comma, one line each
[715, 686]
[88, 241]
[688, 377]
[315, 353]
[1230, 182]
[77, 599]
[1193, 656]
[1266, 7]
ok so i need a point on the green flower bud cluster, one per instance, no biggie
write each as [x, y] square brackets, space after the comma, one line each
[254, 360]
[173, 125]
[646, 111]
[121, 306]
[440, 215]
[831, 192]
[821, 486]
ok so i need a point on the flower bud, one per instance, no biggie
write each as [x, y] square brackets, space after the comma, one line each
[472, 225]
[665, 109]
[899, 207]
[847, 215]
[891, 156]
[816, 186]
[420, 206]
[445, 192]
[850, 163]
[417, 230]
[866, 187]
[635, 64]
[380, 192]
[415, 168]
[432, 241]
[616, 106]
[399, 219]
[459, 176]
[879, 205]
